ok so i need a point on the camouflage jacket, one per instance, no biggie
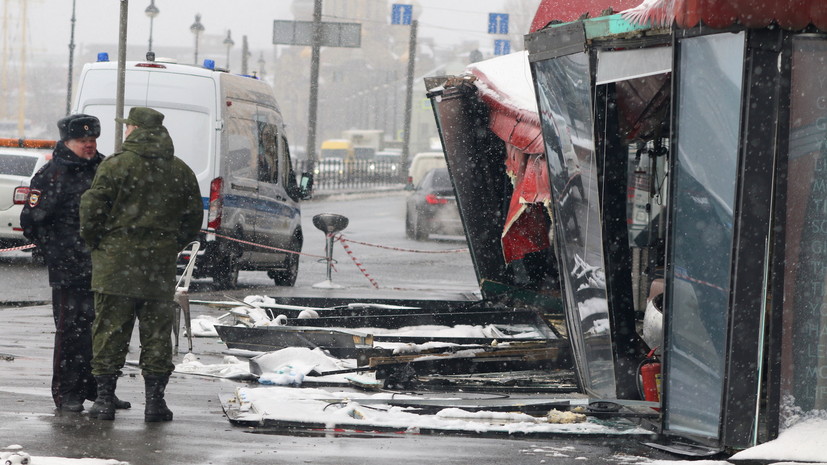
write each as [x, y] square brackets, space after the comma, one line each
[143, 207]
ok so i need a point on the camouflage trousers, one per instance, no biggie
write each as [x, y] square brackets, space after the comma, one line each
[115, 317]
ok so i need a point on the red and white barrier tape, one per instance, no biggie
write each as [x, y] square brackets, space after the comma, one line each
[263, 246]
[22, 247]
[343, 239]
[357, 262]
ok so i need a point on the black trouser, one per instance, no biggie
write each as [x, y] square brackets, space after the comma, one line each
[74, 312]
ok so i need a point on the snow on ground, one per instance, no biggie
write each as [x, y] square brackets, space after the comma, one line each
[805, 442]
[14, 454]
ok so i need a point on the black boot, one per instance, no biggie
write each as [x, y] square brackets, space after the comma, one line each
[156, 407]
[121, 404]
[104, 407]
[71, 403]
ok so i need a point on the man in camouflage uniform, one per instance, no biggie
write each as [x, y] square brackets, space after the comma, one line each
[144, 206]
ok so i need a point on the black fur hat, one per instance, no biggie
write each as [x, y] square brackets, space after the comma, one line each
[79, 126]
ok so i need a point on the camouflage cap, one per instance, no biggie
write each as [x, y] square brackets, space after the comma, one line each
[143, 117]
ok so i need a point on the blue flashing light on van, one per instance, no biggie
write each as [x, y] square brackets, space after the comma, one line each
[209, 64]
[103, 57]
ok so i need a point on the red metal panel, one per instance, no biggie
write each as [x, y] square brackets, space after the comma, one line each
[526, 227]
[789, 14]
[726, 13]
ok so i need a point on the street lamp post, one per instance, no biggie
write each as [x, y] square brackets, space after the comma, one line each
[261, 64]
[197, 28]
[151, 11]
[228, 42]
[71, 60]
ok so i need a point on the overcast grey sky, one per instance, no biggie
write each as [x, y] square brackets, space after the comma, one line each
[49, 22]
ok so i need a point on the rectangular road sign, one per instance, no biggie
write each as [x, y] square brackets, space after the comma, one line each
[401, 14]
[498, 23]
[333, 34]
[502, 47]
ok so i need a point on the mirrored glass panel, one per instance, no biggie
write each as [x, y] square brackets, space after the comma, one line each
[701, 234]
[804, 333]
[563, 86]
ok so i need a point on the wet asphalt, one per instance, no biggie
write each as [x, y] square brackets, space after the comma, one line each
[201, 434]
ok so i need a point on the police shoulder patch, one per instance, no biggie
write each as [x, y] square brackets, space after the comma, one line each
[34, 198]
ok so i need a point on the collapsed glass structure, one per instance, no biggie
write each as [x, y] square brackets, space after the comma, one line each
[687, 171]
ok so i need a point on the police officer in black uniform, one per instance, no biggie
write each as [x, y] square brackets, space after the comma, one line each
[51, 221]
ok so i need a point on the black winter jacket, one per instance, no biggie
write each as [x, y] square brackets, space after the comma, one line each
[50, 217]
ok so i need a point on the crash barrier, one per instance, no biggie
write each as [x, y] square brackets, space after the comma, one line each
[331, 174]
[22, 247]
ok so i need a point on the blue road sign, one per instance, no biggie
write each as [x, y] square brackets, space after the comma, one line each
[502, 47]
[401, 14]
[498, 23]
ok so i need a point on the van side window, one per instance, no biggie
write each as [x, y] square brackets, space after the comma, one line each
[268, 168]
[240, 150]
[287, 172]
[291, 185]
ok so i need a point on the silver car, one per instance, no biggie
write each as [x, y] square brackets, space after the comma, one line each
[432, 207]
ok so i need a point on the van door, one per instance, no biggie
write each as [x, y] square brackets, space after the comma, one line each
[241, 190]
[277, 214]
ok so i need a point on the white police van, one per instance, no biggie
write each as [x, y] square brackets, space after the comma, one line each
[229, 130]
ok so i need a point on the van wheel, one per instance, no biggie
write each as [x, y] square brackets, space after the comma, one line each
[287, 276]
[225, 275]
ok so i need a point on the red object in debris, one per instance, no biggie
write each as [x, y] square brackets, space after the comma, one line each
[650, 375]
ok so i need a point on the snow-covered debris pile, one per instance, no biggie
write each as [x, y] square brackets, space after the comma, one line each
[230, 368]
[284, 405]
[290, 366]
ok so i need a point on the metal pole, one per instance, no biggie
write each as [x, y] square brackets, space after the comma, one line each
[71, 61]
[406, 134]
[314, 83]
[328, 252]
[119, 96]
[151, 23]
[21, 93]
[245, 53]
[151, 11]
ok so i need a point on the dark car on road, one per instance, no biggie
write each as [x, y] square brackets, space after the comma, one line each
[432, 207]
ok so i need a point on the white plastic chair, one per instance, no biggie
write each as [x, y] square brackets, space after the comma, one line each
[182, 298]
